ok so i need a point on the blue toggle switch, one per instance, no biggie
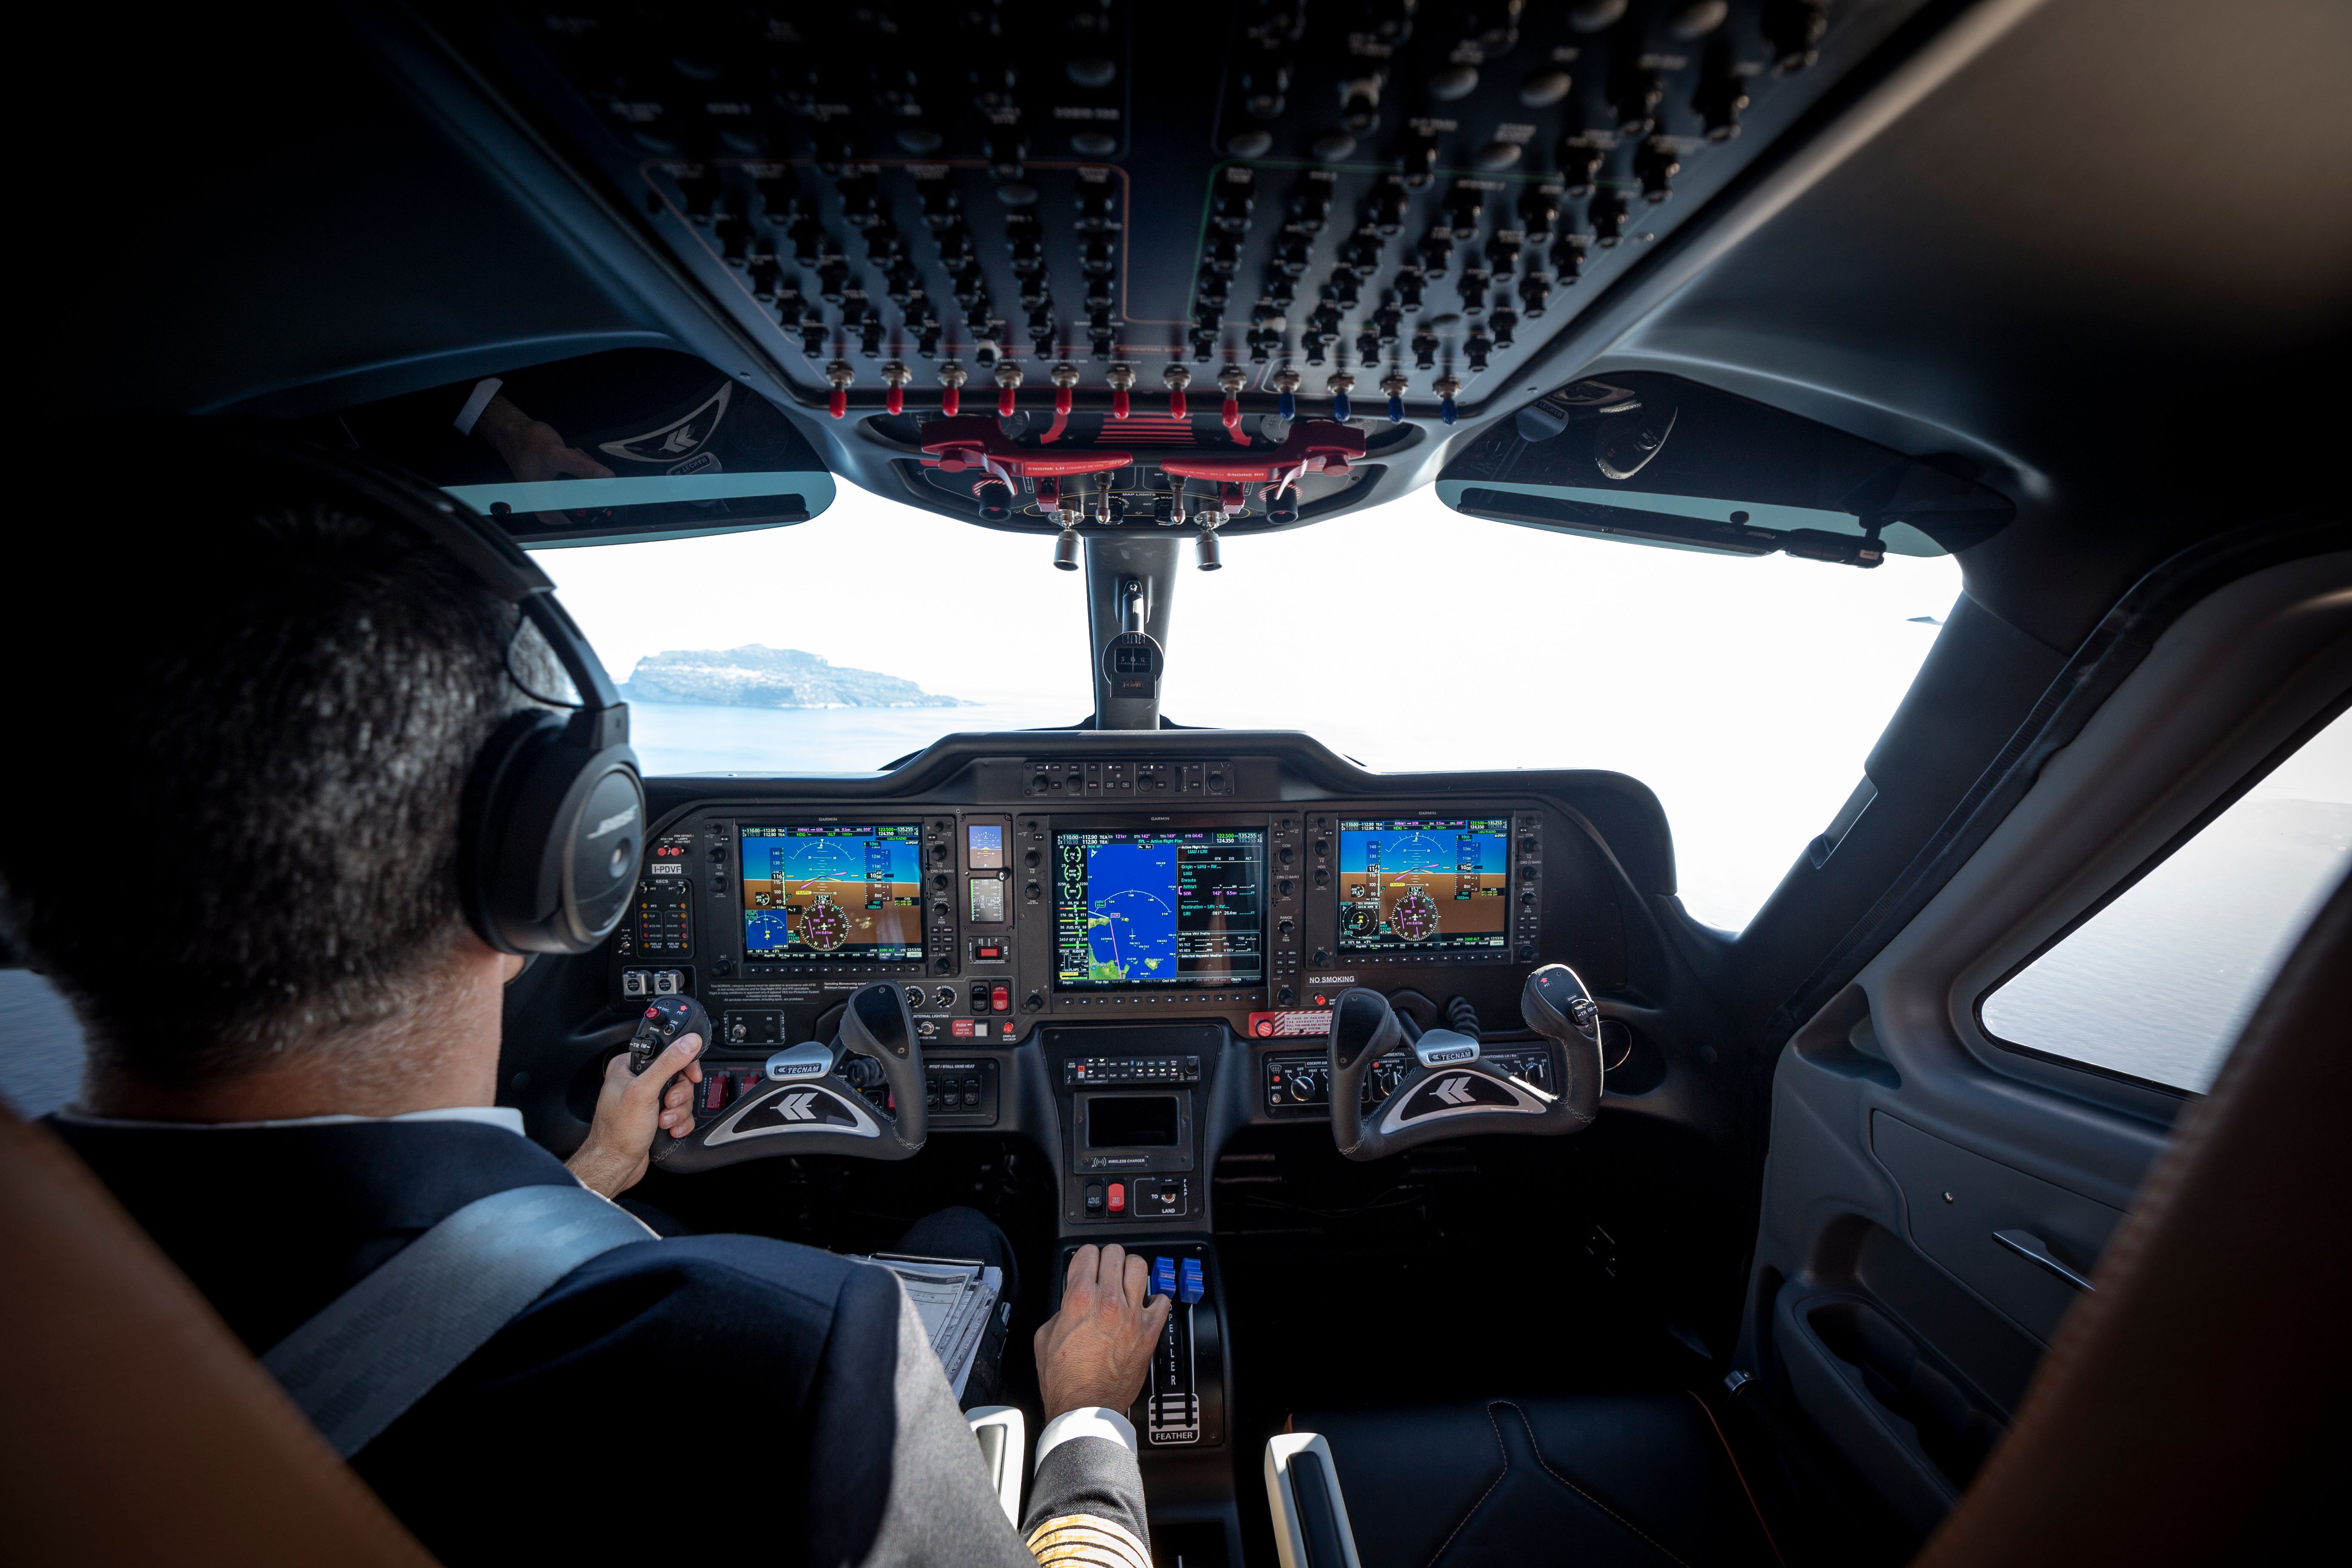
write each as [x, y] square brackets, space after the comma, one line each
[1163, 1276]
[1195, 1285]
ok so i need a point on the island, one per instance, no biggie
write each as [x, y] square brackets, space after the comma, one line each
[760, 677]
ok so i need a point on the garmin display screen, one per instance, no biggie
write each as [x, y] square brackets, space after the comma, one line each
[1421, 886]
[832, 892]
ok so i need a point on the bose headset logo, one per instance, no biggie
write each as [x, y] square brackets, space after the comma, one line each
[613, 824]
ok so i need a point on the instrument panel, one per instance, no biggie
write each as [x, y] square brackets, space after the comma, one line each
[1022, 891]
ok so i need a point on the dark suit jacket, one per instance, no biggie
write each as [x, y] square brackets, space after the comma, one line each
[688, 1394]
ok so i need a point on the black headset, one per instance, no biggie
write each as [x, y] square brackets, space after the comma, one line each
[553, 829]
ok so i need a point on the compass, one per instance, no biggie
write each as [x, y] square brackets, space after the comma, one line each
[824, 926]
[1414, 916]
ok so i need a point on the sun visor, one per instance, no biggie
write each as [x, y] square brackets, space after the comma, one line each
[632, 444]
[1657, 460]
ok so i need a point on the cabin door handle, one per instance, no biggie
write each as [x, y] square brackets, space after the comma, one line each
[2030, 1248]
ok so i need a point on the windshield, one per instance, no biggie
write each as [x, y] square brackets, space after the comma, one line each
[1745, 691]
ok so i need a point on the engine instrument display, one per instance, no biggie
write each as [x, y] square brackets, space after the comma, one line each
[1418, 884]
[827, 892]
[1172, 907]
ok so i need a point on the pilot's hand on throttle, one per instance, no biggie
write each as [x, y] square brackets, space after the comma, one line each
[1098, 1349]
[630, 1109]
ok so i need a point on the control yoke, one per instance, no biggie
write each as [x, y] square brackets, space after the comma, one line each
[810, 1103]
[1449, 1092]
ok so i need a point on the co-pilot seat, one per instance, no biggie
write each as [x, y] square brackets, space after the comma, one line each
[1596, 1481]
[2156, 1430]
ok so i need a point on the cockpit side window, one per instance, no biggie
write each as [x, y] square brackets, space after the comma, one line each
[2157, 984]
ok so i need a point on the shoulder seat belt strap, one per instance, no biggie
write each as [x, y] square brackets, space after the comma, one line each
[388, 1340]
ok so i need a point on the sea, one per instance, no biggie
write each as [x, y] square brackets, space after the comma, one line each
[696, 738]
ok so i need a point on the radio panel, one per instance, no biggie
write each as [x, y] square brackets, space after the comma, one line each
[1297, 1084]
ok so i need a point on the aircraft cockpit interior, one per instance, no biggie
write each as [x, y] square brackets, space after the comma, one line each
[1617, 726]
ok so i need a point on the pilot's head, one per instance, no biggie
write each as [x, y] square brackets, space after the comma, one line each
[255, 731]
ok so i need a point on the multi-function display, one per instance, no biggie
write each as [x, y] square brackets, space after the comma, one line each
[1173, 908]
[1417, 885]
[832, 892]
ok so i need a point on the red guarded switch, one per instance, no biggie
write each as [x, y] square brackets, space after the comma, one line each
[1000, 998]
[1118, 1197]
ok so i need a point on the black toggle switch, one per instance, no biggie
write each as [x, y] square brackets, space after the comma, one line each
[1634, 96]
[1655, 165]
[1538, 212]
[1580, 168]
[1608, 215]
[1793, 28]
[1721, 94]
[1420, 157]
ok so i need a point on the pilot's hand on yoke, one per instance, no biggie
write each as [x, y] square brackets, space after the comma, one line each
[1096, 1350]
[533, 449]
[630, 1109]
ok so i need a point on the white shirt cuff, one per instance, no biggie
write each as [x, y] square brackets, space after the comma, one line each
[483, 391]
[1086, 1421]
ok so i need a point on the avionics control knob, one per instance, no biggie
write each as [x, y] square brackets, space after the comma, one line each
[913, 997]
[1302, 1084]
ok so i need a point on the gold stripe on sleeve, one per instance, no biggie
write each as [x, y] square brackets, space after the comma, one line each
[1087, 1541]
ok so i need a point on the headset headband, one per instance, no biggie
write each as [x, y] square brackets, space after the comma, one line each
[483, 549]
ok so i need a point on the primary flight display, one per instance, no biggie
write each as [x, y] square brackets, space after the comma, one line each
[1417, 885]
[1174, 908]
[832, 892]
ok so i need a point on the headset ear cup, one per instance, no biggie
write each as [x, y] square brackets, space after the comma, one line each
[483, 826]
[552, 837]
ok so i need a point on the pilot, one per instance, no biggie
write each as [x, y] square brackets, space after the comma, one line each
[294, 1039]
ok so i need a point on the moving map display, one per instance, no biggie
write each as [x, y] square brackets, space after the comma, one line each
[1173, 908]
[1418, 884]
[832, 892]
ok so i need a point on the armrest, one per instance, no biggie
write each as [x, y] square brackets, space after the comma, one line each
[1003, 1436]
[1311, 1517]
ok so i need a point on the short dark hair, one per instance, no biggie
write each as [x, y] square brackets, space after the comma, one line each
[272, 717]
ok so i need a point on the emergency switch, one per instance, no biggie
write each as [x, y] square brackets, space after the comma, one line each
[1119, 1197]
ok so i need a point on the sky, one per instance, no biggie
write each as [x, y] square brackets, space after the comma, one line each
[1746, 692]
